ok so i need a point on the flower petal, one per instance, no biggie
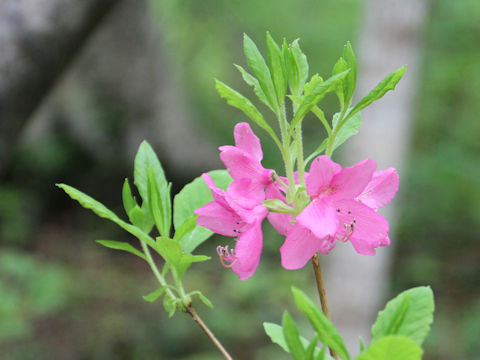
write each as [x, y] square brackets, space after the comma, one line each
[217, 218]
[370, 229]
[300, 246]
[321, 173]
[241, 164]
[248, 250]
[381, 189]
[246, 192]
[247, 141]
[320, 218]
[217, 193]
[352, 180]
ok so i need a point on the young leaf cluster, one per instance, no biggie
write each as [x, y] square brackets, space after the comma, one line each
[282, 83]
[154, 216]
[397, 333]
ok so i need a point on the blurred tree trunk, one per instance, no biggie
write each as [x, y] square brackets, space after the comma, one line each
[38, 38]
[389, 39]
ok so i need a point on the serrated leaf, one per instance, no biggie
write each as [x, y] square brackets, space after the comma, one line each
[392, 348]
[128, 201]
[348, 129]
[327, 333]
[155, 294]
[257, 64]
[292, 337]
[276, 65]
[239, 101]
[409, 314]
[252, 81]
[193, 196]
[388, 83]
[120, 245]
[100, 209]
[319, 90]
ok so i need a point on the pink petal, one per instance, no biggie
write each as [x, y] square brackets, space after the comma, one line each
[300, 246]
[248, 250]
[241, 164]
[370, 229]
[217, 193]
[217, 218]
[247, 141]
[352, 180]
[246, 192]
[321, 173]
[320, 218]
[381, 189]
[280, 221]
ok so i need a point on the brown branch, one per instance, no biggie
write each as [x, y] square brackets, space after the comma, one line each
[207, 331]
[321, 291]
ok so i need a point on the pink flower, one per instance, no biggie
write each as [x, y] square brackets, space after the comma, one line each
[243, 161]
[225, 215]
[342, 207]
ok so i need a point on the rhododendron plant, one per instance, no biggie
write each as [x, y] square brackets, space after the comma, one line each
[313, 210]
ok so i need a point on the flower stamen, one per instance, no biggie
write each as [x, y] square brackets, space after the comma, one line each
[227, 256]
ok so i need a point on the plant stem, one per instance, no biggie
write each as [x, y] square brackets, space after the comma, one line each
[321, 291]
[207, 331]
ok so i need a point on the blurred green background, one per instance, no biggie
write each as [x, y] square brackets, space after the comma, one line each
[64, 297]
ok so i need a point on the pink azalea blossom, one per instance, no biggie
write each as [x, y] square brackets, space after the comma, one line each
[225, 215]
[243, 161]
[342, 207]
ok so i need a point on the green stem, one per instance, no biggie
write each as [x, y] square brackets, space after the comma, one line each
[300, 163]
[154, 268]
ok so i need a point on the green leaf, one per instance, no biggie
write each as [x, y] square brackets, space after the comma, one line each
[392, 348]
[277, 205]
[185, 229]
[203, 298]
[155, 203]
[275, 332]
[169, 249]
[169, 305]
[409, 314]
[351, 78]
[340, 66]
[100, 209]
[239, 101]
[381, 89]
[311, 348]
[362, 344]
[348, 129]
[120, 245]
[191, 197]
[187, 260]
[319, 90]
[302, 64]
[327, 333]
[292, 337]
[128, 200]
[140, 218]
[252, 81]
[144, 159]
[277, 69]
[156, 294]
[256, 62]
